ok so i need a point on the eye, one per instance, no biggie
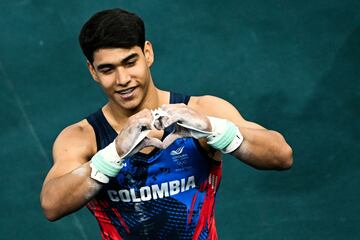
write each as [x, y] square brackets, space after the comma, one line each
[130, 63]
[106, 70]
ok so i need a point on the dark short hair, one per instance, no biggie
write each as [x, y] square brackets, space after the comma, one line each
[112, 28]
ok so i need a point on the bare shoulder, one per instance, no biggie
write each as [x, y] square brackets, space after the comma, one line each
[212, 105]
[78, 130]
[74, 146]
[218, 107]
[77, 139]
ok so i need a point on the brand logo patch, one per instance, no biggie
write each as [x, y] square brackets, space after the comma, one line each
[177, 151]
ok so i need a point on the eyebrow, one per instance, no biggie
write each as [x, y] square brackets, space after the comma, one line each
[123, 61]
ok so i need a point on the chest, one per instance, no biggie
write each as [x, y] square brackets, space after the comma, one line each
[179, 162]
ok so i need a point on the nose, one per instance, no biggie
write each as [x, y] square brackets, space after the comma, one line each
[122, 77]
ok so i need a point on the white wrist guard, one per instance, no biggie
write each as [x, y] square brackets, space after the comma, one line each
[106, 163]
[97, 175]
[225, 136]
[235, 143]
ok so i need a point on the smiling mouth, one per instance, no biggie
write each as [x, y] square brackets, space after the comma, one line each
[126, 91]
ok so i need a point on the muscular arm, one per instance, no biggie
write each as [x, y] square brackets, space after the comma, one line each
[68, 185]
[264, 149]
[261, 148]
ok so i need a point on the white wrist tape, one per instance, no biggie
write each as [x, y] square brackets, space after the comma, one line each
[225, 136]
[106, 163]
[235, 143]
[97, 175]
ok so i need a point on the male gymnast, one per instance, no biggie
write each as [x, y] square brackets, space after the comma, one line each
[148, 163]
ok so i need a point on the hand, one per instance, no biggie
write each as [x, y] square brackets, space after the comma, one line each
[133, 137]
[190, 123]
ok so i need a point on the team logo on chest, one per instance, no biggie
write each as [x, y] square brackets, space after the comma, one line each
[179, 156]
[177, 151]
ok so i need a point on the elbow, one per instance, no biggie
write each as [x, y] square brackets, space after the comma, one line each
[51, 218]
[49, 209]
[286, 158]
[285, 155]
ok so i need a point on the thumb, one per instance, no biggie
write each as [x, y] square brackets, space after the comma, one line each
[171, 138]
[153, 142]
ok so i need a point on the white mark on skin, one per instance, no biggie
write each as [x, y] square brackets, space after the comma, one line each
[80, 171]
[94, 187]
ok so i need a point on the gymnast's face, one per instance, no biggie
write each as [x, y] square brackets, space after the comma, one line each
[123, 74]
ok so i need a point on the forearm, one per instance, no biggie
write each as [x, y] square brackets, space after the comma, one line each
[63, 195]
[264, 149]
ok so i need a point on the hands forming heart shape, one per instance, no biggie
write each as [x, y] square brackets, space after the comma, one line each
[134, 135]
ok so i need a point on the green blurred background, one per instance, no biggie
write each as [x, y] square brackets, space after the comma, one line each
[293, 66]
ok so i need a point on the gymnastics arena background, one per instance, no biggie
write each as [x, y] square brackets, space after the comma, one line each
[292, 66]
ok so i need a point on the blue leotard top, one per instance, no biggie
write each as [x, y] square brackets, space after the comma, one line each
[167, 194]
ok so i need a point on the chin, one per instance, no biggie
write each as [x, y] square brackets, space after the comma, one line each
[131, 105]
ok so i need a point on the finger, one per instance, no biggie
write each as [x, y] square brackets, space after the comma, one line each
[170, 109]
[146, 142]
[176, 113]
[184, 132]
[153, 142]
[157, 115]
[166, 122]
[138, 143]
[179, 132]
[137, 148]
[142, 119]
[144, 123]
[170, 139]
[159, 123]
[195, 132]
[165, 116]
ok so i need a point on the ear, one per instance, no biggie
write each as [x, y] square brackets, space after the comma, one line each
[92, 71]
[149, 53]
